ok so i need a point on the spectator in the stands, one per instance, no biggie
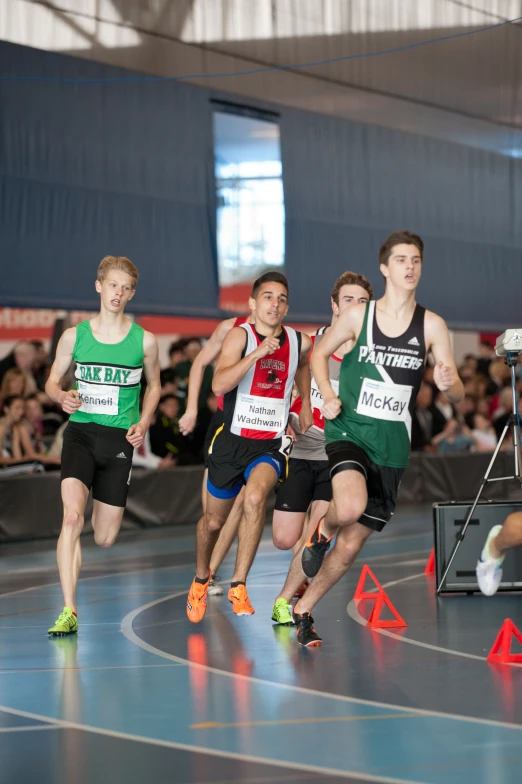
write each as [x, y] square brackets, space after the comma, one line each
[483, 434]
[499, 377]
[29, 438]
[428, 419]
[471, 362]
[144, 457]
[465, 411]
[444, 410]
[422, 422]
[13, 412]
[40, 365]
[14, 382]
[455, 437]
[483, 408]
[12, 459]
[191, 350]
[177, 352]
[165, 436]
[22, 357]
[485, 358]
[33, 422]
[503, 411]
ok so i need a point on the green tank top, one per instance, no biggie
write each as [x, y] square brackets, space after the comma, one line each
[378, 384]
[108, 377]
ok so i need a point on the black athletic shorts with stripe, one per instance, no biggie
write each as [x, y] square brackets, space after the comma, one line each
[217, 420]
[232, 459]
[382, 482]
[101, 458]
[307, 481]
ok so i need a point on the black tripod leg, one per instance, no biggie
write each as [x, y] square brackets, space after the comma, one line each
[464, 528]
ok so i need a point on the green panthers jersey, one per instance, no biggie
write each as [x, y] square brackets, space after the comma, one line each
[378, 384]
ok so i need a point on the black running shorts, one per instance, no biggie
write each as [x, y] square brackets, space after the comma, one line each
[307, 481]
[218, 417]
[101, 458]
[232, 458]
[382, 482]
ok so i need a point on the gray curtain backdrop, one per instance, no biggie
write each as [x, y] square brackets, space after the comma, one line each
[91, 168]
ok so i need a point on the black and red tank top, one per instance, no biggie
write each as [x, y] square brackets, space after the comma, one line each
[259, 406]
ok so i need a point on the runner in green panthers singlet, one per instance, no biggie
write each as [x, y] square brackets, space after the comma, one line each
[378, 385]
[108, 377]
[368, 422]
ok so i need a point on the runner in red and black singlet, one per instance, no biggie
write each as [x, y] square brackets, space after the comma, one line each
[187, 423]
[308, 487]
[255, 372]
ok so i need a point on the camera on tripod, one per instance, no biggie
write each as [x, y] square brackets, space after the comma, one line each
[510, 342]
[509, 346]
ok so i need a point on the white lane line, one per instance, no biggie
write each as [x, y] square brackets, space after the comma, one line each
[31, 670]
[353, 612]
[28, 729]
[130, 634]
[95, 577]
[321, 770]
[183, 566]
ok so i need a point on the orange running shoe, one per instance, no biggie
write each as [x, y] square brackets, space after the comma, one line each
[240, 601]
[197, 600]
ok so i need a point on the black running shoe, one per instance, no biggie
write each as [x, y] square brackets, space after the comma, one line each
[314, 552]
[306, 634]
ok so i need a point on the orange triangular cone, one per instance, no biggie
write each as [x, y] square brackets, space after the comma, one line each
[360, 593]
[501, 650]
[430, 566]
[376, 622]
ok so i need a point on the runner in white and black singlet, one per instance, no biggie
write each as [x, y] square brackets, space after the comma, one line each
[308, 486]
[255, 372]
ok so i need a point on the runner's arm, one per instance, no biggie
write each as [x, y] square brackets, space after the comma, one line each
[303, 380]
[69, 400]
[445, 373]
[346, 328]
[151, 367]
[230, 368]
[208, 354]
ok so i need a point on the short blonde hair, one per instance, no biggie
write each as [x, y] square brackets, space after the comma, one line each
[118, 262]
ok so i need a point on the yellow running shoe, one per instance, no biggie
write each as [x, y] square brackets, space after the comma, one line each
[240, 601]
[282, 613]
[66, 623]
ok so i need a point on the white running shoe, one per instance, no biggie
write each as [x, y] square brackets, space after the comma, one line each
[489, 569]
[215, 588]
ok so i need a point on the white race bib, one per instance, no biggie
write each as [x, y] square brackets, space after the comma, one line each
[259, 413]
[98, 398]
[315, 396]
[381, 400]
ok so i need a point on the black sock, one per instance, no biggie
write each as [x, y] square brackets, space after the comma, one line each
[239, 582]
[200, 581]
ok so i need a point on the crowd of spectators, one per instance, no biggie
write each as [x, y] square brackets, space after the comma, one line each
[477, 422]
[31, 426]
